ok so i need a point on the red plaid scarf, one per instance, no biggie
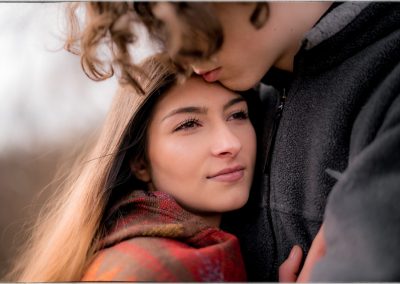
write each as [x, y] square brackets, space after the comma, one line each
[152, 238]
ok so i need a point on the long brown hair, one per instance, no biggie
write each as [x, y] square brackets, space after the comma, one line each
[66, 234]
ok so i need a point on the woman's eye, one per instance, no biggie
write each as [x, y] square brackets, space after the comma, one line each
[188, 124]
[239, 115]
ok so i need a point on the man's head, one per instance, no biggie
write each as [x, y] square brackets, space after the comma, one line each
[249, 51]
[234, 43]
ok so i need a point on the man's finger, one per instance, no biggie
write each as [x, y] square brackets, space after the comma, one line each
[290, 267]
[317, 250]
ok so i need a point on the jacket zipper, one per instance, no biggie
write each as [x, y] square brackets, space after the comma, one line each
[278, 115]
[282, 101]
[267, 168]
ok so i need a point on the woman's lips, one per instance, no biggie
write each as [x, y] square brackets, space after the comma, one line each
[229, 175]
[211, 76]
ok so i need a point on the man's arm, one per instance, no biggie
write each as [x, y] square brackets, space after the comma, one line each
[362, 217]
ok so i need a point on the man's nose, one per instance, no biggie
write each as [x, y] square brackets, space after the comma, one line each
[225, 142]
[196, 69]
[201, 66]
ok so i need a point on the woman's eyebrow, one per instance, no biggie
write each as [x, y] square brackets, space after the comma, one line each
[200, 110]
[188, 109]
[233, 102]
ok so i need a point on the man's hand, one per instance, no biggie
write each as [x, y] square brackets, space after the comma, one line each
[289, 269]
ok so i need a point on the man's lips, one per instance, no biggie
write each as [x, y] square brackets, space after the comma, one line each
[210, 76]
[228, 174]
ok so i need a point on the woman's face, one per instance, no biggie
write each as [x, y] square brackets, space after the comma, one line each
[202, 147]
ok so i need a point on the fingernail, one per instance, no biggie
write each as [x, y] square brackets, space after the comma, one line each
[294, 252]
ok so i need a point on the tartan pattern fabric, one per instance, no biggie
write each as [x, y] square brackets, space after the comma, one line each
[151, 238]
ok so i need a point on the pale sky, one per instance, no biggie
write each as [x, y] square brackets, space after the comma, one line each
[45, 97]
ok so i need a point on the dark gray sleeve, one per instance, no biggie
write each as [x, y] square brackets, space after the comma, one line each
[362, 217]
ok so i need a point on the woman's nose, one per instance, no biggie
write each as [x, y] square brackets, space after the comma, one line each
[225, 142]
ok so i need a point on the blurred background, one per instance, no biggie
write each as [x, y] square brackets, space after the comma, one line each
[48, 108]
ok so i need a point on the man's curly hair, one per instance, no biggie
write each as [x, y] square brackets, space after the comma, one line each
[183, 30]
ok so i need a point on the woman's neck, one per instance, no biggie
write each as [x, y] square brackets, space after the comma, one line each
[213, 219]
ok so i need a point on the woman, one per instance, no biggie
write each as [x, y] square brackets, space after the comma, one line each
[147, 202]
[197, 163]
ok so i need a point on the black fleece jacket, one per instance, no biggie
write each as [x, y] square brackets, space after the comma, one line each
[335, 154]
